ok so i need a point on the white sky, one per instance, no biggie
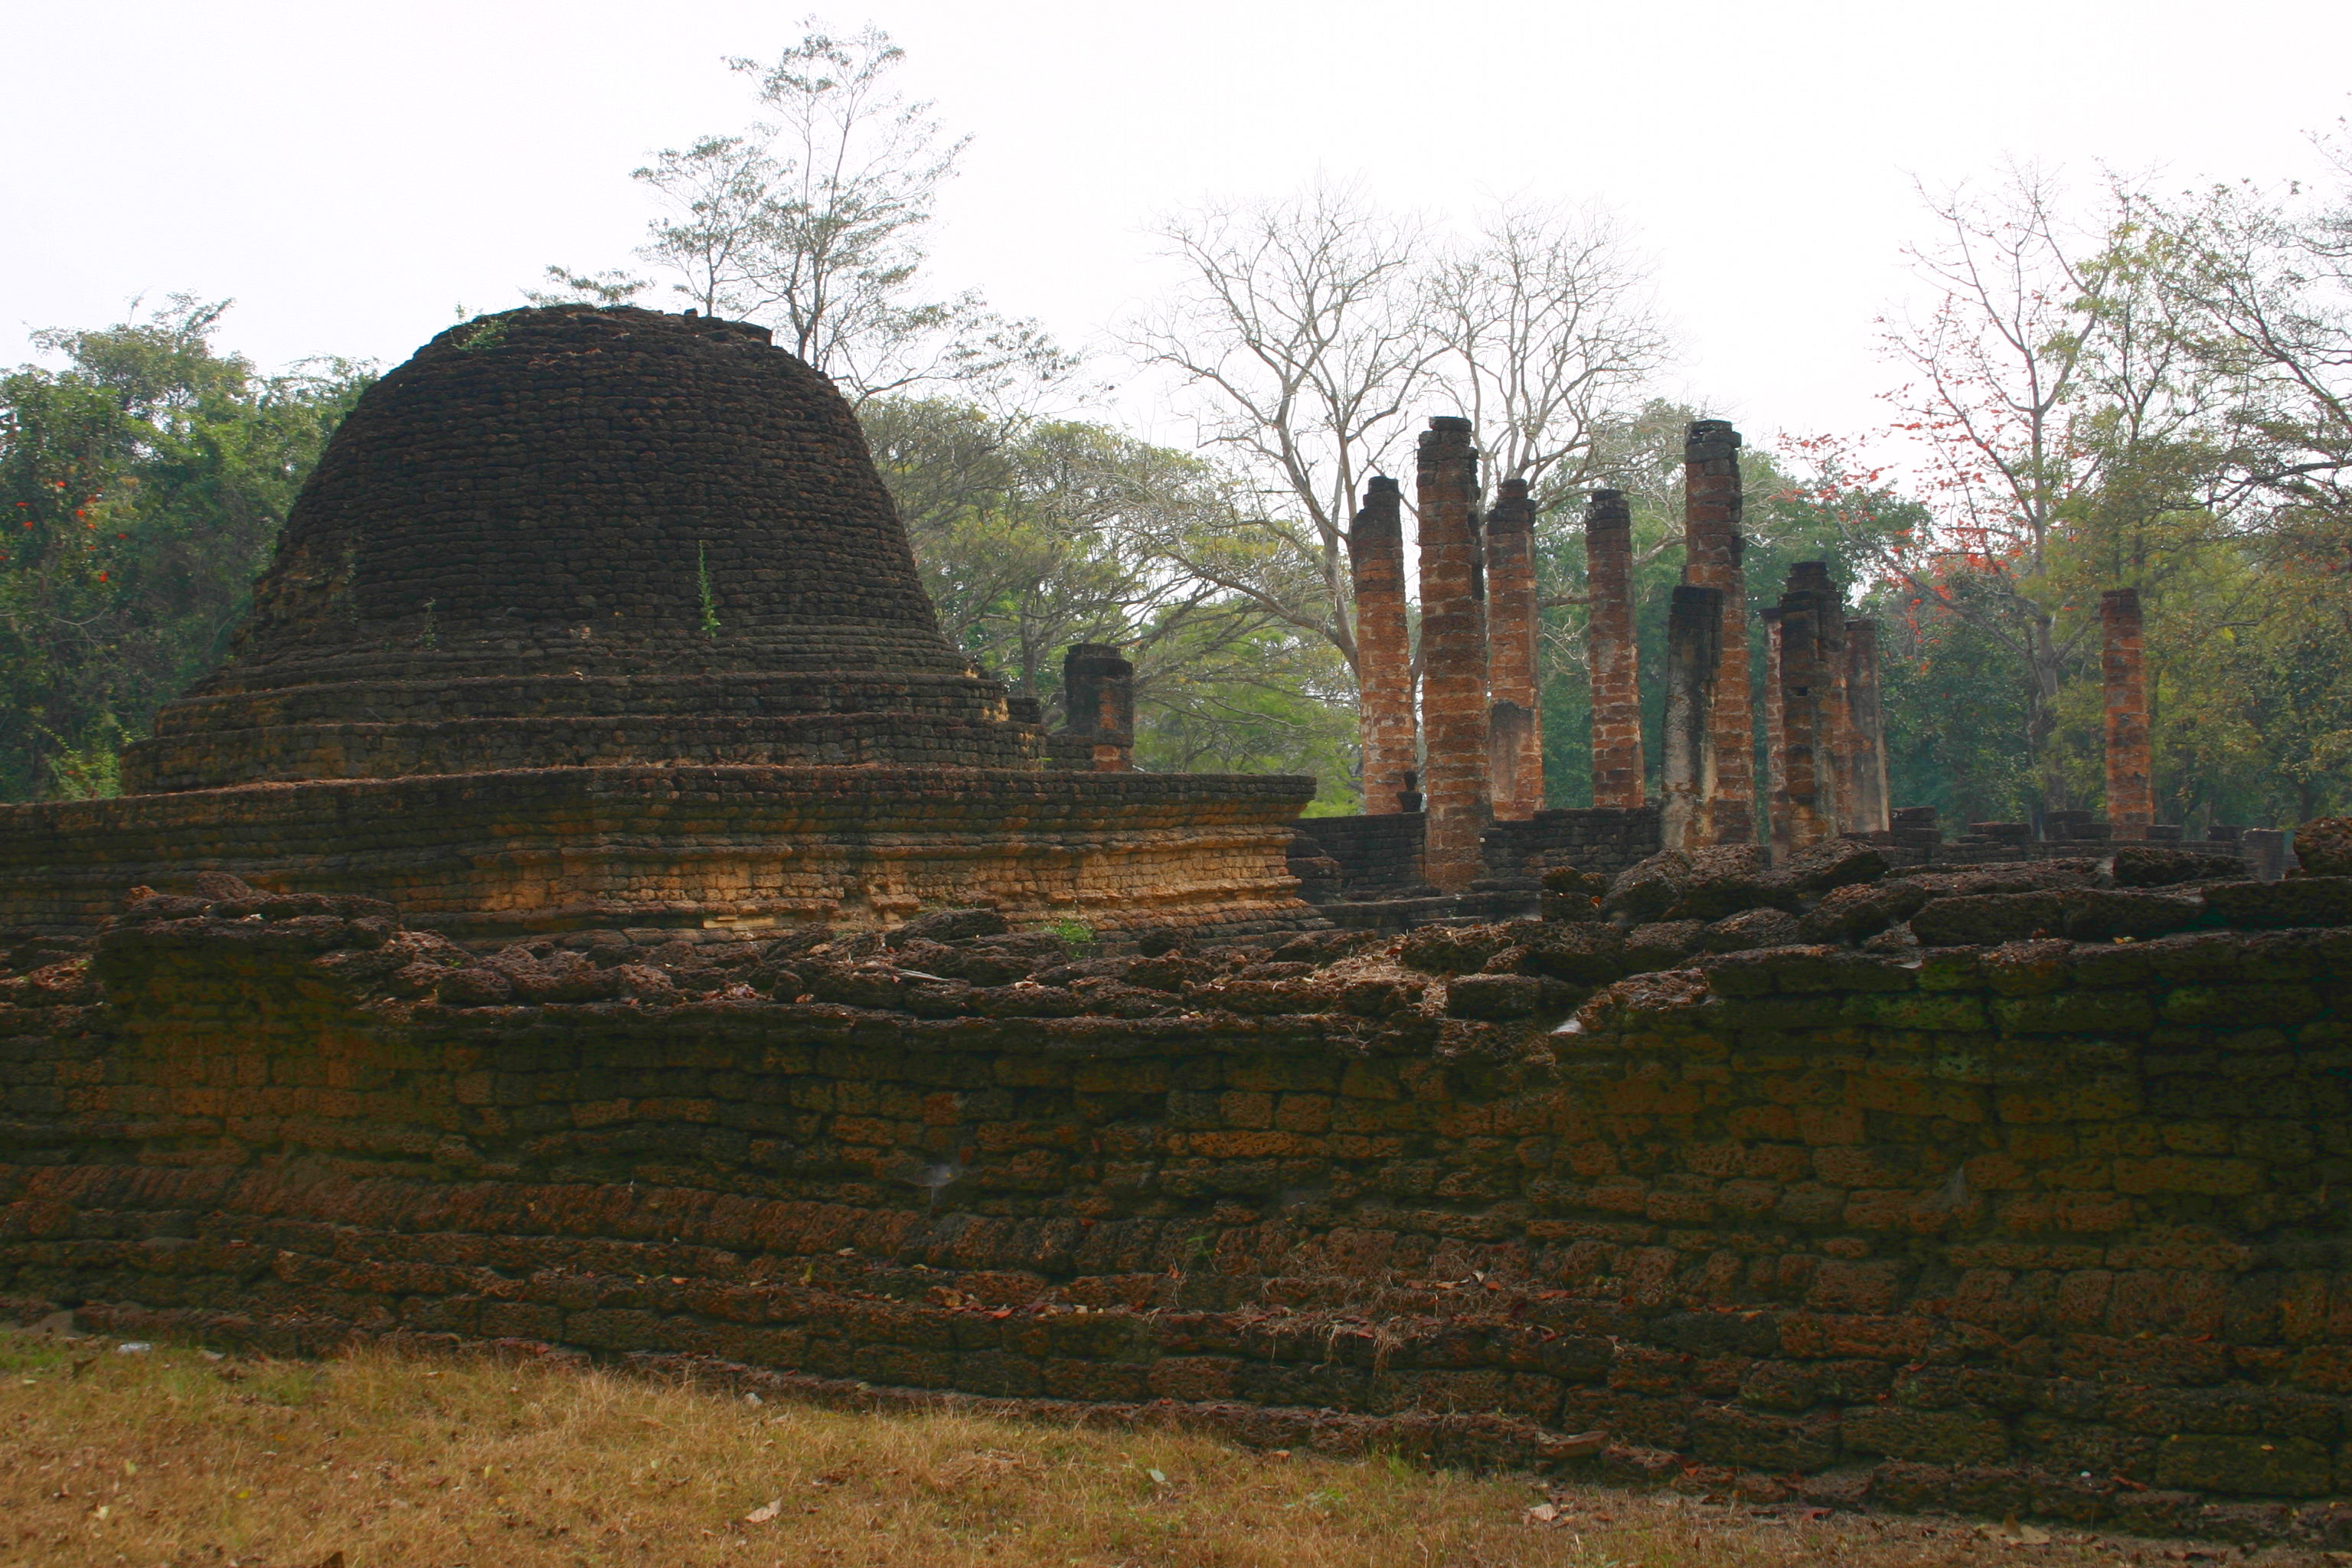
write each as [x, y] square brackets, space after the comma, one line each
[352, 174]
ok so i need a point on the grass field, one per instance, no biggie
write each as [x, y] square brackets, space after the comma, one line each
[170, 1456]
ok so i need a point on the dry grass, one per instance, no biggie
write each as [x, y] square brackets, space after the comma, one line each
[172, 1458]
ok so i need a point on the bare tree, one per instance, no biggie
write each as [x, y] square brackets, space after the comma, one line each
[2000, 366]
[1298, 335]
[811, 221]
[1548, 339]
[2066, 438]
[1310, 333]
[2263, 280]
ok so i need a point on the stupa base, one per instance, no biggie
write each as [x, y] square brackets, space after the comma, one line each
[510, 854]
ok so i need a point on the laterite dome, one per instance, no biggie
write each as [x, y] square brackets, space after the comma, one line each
[574, 536]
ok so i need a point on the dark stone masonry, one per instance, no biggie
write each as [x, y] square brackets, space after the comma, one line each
[594, 913]
[604, 618]
[2013, 1190]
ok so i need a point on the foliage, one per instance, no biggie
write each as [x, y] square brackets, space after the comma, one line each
[2151, 399]
[147, 480]
[1036, 534]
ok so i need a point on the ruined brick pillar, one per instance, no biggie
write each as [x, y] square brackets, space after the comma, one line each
[1712, 506]
[2131, 793]
[1811, 646]
[1862, 789]
[1383, 650]
[1612, 654]
[1513, 705]
[1693, 660]
[1453, 656]
[1776, 738]
[1098, 697]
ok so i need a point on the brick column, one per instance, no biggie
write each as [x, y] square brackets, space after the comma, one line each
[1384, 649]
[1835, 743]
[1711, 515]
[1453, 656]
[1809, 652]
[2131, 795]
[1515, 707]
[1612, 653]
[1776, 738]
[1098, 697]
[1694, 659]
[1863, 791]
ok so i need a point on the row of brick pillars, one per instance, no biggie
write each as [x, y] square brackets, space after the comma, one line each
[1480, 708]
[1480, 702]
[1825, 728]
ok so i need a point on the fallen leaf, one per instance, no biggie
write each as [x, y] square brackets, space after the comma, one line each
[1542, 1513]
[2009, 1532]
[1158, 1477]
[765, 1511]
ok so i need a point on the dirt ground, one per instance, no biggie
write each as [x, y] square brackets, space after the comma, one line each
[162, 1455]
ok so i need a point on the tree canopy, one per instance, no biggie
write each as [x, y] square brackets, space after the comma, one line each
[147, 479]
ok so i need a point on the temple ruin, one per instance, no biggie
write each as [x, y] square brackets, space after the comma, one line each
[593, 913]
[1814, 695]
[603, 618]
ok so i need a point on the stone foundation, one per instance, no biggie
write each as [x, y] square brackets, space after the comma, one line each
[2047, 1226]
[565, 849]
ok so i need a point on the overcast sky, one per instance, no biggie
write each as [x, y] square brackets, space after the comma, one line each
[352, 173]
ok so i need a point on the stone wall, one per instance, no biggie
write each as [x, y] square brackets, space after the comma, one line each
[2044, 1226]
[1600, 839]
[1379, 852]
[564, 849]
[1373, 852]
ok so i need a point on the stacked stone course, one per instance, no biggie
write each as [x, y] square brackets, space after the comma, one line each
[1391, 760]
[1713, 508]
[1848, 1218]
[1612, 653]
[591, 617]
[1454, 711]
[1515, 730]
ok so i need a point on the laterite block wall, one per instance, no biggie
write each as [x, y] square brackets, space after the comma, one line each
[2048, 1227]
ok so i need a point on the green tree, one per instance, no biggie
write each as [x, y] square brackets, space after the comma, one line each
[1036, 534]
[146, 480]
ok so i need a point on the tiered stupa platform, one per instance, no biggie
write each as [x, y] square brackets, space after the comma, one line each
[604, 618]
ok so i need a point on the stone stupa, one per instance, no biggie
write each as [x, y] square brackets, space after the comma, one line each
[602, 616]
